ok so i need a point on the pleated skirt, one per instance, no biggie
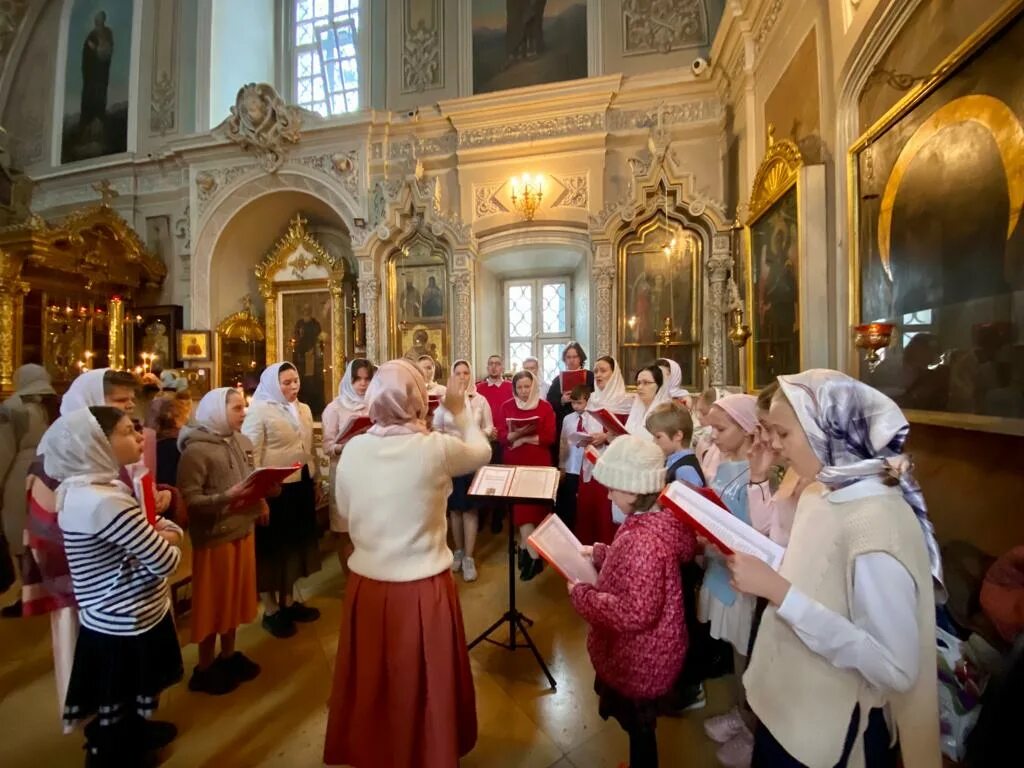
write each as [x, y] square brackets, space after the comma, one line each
[223, 587]
[403, 690]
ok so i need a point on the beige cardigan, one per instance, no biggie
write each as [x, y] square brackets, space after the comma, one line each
[277, 440]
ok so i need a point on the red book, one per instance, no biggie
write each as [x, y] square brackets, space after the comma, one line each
[356, 426]
[432, 404]
[147, 487]
[572, 379]
[529, 424]
[259, 484]
[609, 421]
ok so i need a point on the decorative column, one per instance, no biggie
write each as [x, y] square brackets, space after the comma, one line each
[604, 281]
[118, 354]
[12, 293]
[719, 267]
[462, 282]
[369, 295]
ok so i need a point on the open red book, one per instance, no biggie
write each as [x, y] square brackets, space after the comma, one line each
[609, 421]
[529, 424]
[354, 427]
[258, 485]
[560, 547]
[569, 380]
[703, 510]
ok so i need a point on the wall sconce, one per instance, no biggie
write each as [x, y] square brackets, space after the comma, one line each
[872, 337]
[527, 192]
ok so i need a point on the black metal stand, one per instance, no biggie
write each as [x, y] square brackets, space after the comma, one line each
[516, 621]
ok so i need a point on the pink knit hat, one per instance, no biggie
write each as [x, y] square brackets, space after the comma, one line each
[742, 409]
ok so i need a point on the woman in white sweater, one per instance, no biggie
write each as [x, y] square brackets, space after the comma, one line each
[281, 430]
[403, 691]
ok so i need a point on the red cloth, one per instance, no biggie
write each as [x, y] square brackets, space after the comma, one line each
[528, 455]
[403, 689]
[637, 641]
[594, 514]
[497, 396]
[45, 575]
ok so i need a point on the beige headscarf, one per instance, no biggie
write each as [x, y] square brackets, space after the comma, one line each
[398, 399]
[533, 400]
[471, 384]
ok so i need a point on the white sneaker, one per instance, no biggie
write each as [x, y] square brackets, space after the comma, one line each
[723, 728]
[457, 562]
[468, 569]
[738, 751]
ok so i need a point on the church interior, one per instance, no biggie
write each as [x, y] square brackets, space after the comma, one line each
[198, 189]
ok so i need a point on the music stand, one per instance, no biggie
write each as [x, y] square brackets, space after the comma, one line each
[515, 619]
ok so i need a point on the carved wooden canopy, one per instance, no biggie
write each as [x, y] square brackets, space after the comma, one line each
[777, 173]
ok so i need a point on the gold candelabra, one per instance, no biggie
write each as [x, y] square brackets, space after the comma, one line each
[527, 192]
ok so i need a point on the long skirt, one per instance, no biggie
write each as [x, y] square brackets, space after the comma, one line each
[403, 690]
[223, 587]
[594, 513]
[287, 548]
[115, 676]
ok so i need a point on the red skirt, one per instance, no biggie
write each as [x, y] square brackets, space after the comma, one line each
[594, 514]
[403, 690]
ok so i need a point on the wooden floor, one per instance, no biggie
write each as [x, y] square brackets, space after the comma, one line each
[279, 718]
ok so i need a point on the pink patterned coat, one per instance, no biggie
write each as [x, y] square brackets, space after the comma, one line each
[637, 641]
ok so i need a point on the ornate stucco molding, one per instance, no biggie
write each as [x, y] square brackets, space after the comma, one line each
[532, 130]
[422, 47]
[658, 27]
[462, 284]
[263, 124]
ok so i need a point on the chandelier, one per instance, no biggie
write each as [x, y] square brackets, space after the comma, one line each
[527, 192]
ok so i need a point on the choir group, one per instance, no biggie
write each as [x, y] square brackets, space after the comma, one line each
[833, 654]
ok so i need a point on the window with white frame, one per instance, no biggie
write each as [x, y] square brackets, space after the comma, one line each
[538, 322]
[915, 323]
[325, 62]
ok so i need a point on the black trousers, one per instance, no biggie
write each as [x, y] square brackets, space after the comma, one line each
[565, 504]
[768, 753]
[643, 748]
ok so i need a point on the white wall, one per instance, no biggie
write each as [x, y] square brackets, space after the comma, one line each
[241, 51]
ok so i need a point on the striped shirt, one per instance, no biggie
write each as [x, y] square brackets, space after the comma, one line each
[119, 562]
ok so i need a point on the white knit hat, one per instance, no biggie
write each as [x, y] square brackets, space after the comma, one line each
[631, 464]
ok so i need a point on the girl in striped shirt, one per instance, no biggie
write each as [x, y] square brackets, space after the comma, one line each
[127, 650]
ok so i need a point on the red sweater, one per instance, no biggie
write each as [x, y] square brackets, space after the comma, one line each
[496, 396]
[637, 641]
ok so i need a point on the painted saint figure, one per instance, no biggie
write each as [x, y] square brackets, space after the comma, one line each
[97, 52]
[433, 300]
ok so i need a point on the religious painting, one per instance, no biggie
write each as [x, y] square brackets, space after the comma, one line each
[96, 80]
[306, 342]
[156, 336]
[658, 303]
[419, 301]
[194, 346]
[517, 43]
[793, 107]
[199, 381]
[774, 294]
[939, 246]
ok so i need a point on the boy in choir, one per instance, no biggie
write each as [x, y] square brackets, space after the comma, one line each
[672, 427]
[573, 442]
[637, 640]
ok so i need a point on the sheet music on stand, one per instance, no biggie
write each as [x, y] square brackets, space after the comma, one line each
[522, 483]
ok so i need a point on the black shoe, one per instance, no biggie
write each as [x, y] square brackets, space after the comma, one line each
[215, 680]
[302, 613]
[279, 624]
[240, 667]
[152, 735]
[533, 568]
[524, 558]
[12, 611]
[496, 521]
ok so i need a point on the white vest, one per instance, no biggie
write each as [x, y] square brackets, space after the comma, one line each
[804, 701]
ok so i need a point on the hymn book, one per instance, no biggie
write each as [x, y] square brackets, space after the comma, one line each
[355, 426]
[560, 547]
[261, 483]
[528, 424]
[519, 483]
[569, 380]
[704, 511]
[609, 421]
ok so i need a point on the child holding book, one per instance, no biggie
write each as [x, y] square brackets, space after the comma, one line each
[127, 651]
[215, 460]
[573, 442]
[637, 641]
[526, 430]
[846, 650]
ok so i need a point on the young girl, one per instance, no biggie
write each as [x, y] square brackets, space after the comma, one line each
[215, 459]
[348, 405]
[733, 420]
[637, 641]
[674, 376]
[529, 447]
[651, 391]
[846, 648]
[127, 650]
[428, 367]
[707, 453]
[461, 512]
[593, 507]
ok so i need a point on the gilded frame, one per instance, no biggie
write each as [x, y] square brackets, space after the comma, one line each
[313, 258]
[638, 235]
[776, 177]
[241, 326]
[942, 73]
[398, 328]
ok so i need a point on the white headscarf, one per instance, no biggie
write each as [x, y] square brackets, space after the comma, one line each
[86, 391]
[269, 388]
[212, 411]
[347, 397]
[471, 385]
[675, 379]
[533, 400]
[636, 423]
[614, 396]
[76, 453]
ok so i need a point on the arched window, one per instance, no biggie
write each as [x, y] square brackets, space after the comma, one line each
[325, 62]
